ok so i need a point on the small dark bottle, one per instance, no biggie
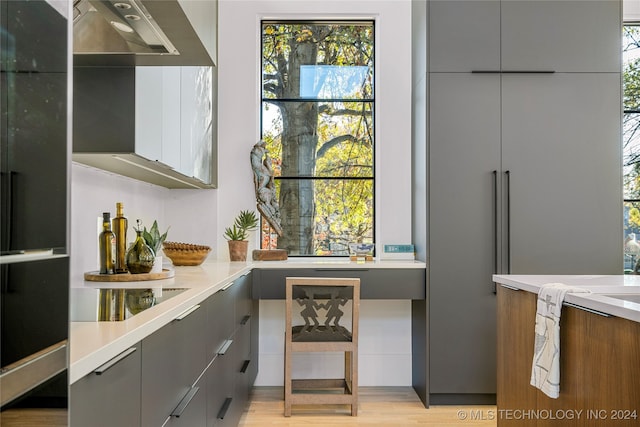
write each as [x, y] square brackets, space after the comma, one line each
[106, 240]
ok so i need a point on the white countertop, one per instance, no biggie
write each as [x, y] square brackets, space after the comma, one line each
[94, 343]
[600, 286]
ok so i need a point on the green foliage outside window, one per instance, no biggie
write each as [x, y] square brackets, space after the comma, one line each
[317, 121]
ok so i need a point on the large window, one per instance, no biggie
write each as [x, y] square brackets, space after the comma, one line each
[318, 124]
[631, 143]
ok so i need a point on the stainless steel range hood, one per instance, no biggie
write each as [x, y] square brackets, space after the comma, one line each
[136, 32]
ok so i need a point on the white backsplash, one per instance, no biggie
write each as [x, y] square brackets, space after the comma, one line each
[189, 214]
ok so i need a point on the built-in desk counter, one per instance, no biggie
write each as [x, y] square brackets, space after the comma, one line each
[95, 343]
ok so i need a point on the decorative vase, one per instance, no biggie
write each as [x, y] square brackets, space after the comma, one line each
[238, 250]
[157, 265]
[140, 256]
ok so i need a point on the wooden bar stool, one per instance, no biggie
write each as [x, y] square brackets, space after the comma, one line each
[320, 301]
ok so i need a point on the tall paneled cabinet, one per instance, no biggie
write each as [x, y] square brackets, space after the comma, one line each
[524, 165]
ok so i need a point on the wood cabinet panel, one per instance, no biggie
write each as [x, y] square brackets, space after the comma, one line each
[599, 369]
[516, 320]
[608, 369]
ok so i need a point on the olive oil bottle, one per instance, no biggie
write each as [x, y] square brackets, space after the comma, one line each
[106, 240]
[120, 225]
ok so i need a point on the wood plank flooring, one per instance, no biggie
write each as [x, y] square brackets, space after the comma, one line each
[378, 406]
[33, 418]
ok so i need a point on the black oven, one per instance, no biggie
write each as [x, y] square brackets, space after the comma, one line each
[34, 200]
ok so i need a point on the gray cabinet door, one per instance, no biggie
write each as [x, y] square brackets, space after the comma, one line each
[561, 146]
[463, 155]
[173, 358]
[109, 396]
[464, 35]
[564, 36]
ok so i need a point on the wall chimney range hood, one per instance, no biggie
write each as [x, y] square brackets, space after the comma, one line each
[135, 32]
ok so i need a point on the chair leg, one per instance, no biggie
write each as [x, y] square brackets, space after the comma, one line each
[287, 383]
[351, 377]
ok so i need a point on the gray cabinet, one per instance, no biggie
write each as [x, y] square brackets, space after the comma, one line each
[563, 36]
[562, 150]
[524, 178]
[464, 35]
[493, 35]
[233, 349]
[409, 283]
[197, 370]
[173, 358]
[465, 132]
[110, 395]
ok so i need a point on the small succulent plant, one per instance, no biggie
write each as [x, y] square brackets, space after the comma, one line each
[153, 238]
[245, 221]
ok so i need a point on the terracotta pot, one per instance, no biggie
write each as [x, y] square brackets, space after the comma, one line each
[238, 250]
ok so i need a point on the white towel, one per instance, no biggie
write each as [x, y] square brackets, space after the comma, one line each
[545, 369]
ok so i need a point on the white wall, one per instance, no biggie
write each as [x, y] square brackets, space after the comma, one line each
[200, 216]
[239, 95]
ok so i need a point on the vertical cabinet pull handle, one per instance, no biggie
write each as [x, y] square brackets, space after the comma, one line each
[225, 407]
[111, 363]
[245, 319]
[245, 366]
[185, 402]
[508, 182]
[495, 225]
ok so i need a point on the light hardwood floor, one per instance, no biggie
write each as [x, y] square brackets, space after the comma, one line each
[378, 406]
[33, 418]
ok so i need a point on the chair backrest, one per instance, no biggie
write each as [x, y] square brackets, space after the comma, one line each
[321, 309]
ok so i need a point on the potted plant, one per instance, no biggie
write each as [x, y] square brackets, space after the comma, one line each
[237, 234]
[154, 240]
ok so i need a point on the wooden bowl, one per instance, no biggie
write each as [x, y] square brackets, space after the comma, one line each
[185, 253]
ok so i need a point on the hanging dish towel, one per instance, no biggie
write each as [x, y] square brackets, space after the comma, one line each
[545, 369]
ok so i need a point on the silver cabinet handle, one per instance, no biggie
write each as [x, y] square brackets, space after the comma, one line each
[223, 349]
[513, 288]
[102, 369]
[185, 402]
[589, 310]
[187, 312]
[226, 286]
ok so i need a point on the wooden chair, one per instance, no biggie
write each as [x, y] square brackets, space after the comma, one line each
[322, 298]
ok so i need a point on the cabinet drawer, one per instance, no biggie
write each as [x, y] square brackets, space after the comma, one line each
[220, 327]
[109, 396]
[220, 379]
[401, 283]
[172, 360]
[242, 295]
